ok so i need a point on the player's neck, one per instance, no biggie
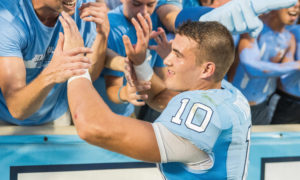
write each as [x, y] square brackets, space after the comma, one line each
[46, 15]
[208, 84]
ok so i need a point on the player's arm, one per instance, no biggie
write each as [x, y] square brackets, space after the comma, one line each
[249, 54]
[98, 125]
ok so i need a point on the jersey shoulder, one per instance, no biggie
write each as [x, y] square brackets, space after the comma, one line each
[194, 116]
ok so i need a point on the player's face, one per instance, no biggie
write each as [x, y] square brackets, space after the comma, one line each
[61, 5]
[213, 3]
[182, 71]
[133, 7]
[290, 15]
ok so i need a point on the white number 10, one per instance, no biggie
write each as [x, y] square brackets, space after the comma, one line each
[177, 119]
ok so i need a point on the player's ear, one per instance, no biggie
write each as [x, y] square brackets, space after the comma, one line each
[208, 69]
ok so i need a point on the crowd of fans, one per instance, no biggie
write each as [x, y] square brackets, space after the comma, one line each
[266, 67]
[147, 59]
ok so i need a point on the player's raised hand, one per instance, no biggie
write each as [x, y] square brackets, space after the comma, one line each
[96, 12]
[136, 94]
[143, 27]
[72, 37]
[163, 47]
[241, 16]
[67, 62]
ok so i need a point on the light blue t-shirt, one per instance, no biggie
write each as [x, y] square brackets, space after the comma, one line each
[256, 75]
[291, 82]
[190, 3]
[119, 26]
[177, 3]
[23, 35]
[218, 122]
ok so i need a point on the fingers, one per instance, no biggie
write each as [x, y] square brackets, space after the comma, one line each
[141, 37]
[92, 4]
[162, 34]
[77, 51]
[68, 24]
[70, 21]
[128, 46]
[158, 40]
[60, 42]
[82, 59]
[153, 47]
[144, 24]
[76, 63]
[149, 21]
[136, 98]
[153, 34]
[94, 12]
[64, 25]
[143, 86]
[130, 73]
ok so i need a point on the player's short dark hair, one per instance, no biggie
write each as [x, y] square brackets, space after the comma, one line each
[215, 44]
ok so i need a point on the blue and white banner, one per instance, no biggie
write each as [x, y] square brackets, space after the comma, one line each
[273, 156]
[60, 157]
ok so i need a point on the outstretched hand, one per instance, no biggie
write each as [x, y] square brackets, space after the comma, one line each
[66, 62]
[96, 12]
[136, 94]
[72, 37]
[68, 59]
[135, 89]
[143, 27]
[163, 47]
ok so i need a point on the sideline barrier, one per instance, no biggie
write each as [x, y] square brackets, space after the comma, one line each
[49, 152]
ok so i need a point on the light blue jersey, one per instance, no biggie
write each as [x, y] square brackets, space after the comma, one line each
[119, 26]
[23, 35]
[218, 122]
[291, 82]
[256, 75]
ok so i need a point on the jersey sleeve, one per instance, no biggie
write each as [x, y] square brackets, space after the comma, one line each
[192, 117]
[11, 41]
